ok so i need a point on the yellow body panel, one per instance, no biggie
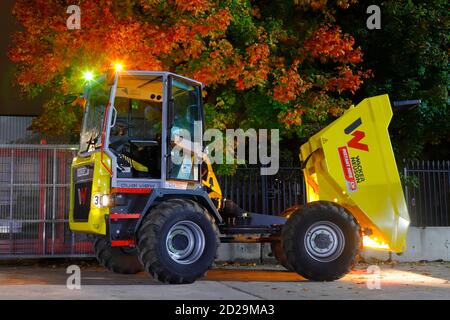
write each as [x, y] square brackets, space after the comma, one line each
[100, 185]
[352, 163]
[210, 181]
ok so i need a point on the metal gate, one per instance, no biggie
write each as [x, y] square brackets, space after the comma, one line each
[34, 198]
[34, 203]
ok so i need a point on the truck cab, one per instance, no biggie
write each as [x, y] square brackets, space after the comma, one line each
[127, 144]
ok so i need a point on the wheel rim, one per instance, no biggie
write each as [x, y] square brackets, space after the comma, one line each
[185, 242]
[324, 241]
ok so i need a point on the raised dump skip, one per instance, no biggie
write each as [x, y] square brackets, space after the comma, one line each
[351, 162]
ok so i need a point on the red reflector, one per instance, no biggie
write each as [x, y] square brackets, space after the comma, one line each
[122, 243]
[131, 190]
[124, 216]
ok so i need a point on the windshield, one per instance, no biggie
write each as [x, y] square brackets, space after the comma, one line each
[138, 103]
[97, 100]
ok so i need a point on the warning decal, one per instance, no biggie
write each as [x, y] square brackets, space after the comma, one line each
[348, 169]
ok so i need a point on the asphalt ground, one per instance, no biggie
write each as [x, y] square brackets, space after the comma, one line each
[49, 279]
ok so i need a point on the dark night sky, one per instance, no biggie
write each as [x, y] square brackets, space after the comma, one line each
[10, 102]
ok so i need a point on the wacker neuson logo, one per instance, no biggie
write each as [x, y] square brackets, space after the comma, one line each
[358, 135]
[352, 166]
[82, 194]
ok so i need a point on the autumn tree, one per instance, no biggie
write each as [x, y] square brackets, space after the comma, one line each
[266, 64]
[409, 57]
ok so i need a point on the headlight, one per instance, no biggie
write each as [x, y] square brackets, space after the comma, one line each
[106, 200]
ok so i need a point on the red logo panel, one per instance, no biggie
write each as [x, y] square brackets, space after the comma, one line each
[347, 169]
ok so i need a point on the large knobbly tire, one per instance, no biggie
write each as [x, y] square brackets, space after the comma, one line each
[178, 241]
[277, 246]
[278, 253]
[117, 259]
[321, 241]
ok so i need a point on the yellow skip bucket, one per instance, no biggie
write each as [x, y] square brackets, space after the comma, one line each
[351, 162]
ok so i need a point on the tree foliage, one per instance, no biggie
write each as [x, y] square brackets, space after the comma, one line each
[272, 64]
[409, 58]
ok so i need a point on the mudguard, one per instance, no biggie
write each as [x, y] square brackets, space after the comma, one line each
[199, 195]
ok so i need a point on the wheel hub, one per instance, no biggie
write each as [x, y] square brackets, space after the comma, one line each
[180, 242]
[185, 242]
[324, 241]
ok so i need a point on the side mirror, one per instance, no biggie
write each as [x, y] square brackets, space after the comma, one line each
[75, 100]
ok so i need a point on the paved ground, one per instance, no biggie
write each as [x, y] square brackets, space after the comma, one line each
[402, 281]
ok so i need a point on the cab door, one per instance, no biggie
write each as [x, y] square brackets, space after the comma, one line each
[185, 130]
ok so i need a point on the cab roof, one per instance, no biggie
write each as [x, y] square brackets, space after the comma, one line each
[158, 73]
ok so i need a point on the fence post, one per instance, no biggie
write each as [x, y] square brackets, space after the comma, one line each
[264, 195]
[54, 201]
[448, 185]
[43, 195]
[11, 193]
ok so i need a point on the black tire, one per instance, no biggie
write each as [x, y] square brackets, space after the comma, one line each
[322, 226]
[159, 255]
[117, 259]
[278, 253]
[277, 246]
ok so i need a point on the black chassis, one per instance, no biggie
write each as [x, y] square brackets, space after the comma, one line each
[246, 227]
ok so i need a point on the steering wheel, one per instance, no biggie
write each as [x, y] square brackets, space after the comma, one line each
[118, 145]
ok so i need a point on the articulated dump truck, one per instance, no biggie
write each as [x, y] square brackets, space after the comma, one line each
[150, 213]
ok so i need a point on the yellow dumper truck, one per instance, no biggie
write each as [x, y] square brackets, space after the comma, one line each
[150, 213]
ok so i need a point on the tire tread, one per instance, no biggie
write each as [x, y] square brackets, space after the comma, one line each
[148, 239]
[288, 236]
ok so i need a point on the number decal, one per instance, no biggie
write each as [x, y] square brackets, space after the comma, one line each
[96, 200]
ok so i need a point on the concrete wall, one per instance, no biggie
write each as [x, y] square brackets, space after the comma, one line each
[429, 244]
[422, 244]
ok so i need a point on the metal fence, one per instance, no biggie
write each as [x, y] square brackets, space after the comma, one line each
[265, 194]
[429, 201]
[34, 198]
[34, 202]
